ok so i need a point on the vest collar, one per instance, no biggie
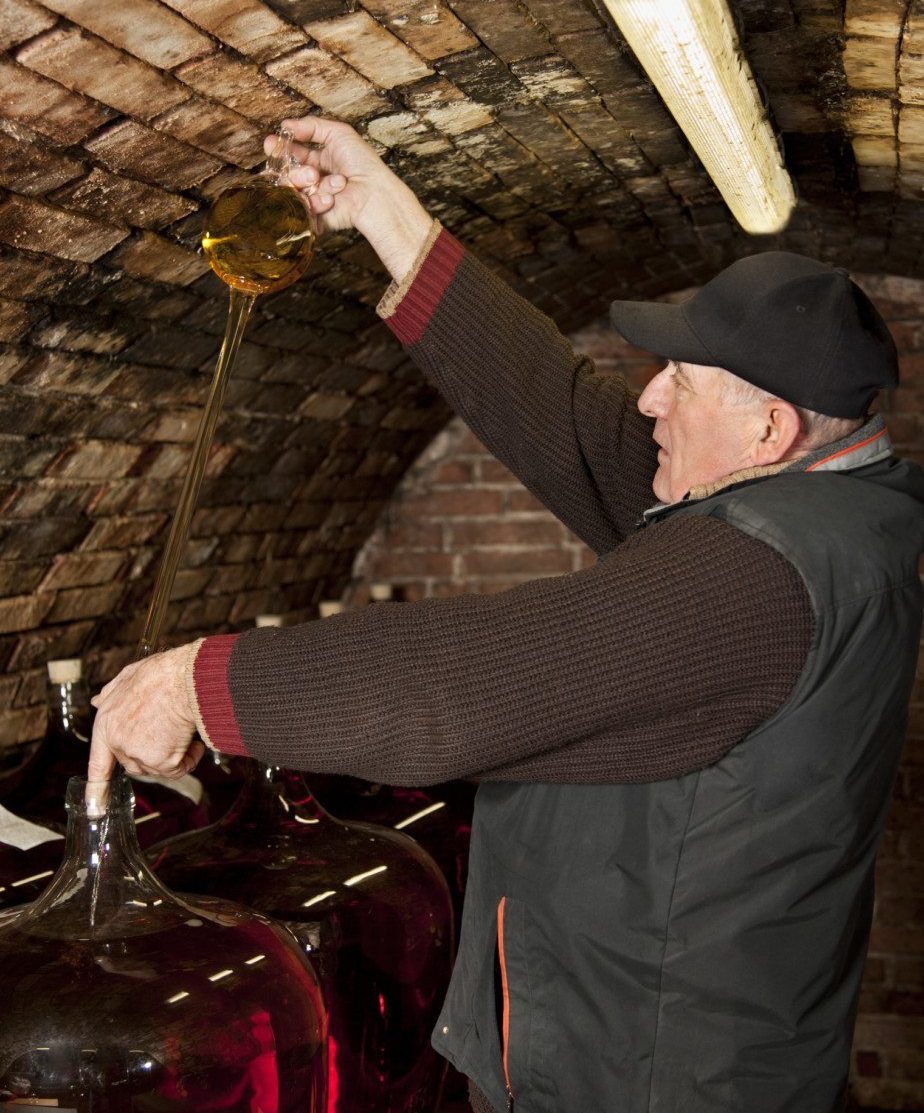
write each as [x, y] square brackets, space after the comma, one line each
[867, 445]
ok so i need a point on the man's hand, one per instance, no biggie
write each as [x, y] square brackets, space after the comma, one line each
[347, 185]
[144, 720]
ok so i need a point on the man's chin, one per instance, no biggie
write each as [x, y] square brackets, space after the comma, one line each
[661, 487]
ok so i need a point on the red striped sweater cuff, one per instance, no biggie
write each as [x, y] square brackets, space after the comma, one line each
[418, 305]
[217, 722]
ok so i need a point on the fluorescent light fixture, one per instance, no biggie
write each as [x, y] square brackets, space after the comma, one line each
[690, 51]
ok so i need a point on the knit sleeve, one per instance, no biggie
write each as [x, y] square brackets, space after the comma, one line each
[654, 662]
[573, 436]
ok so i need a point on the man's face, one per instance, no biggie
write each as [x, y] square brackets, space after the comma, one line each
[702, 435]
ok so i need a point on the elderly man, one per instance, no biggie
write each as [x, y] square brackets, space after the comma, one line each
[686, 751]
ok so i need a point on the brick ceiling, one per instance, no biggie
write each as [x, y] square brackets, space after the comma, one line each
[525, 125]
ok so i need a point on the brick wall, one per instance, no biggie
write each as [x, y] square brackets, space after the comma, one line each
[889, 1045]
[460, 522]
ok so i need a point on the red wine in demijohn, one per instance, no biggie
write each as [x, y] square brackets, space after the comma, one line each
[121, 997]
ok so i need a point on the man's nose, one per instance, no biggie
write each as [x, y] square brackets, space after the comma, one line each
[653, 399]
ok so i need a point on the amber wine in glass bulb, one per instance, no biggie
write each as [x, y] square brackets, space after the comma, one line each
[258, 236]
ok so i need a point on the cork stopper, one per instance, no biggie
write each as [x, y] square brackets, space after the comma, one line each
[268, 620]
[65, 670]
[329, 607]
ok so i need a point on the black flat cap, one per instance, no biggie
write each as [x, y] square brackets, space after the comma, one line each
[797, 328]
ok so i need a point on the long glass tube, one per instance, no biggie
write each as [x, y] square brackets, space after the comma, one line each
[238, 312]
[259, 238]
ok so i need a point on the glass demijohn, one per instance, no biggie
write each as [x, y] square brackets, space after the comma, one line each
[374, 905]
[120, 997]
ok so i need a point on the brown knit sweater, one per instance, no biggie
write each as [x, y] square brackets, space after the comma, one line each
[683, 638]
[478, 1101]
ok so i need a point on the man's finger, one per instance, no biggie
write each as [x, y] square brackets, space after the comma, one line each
[304, 177]
[308, 129]
[102, 760]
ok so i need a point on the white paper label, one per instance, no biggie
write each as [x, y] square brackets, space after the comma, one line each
[46, 1103]
[187, 785]
[19, 832]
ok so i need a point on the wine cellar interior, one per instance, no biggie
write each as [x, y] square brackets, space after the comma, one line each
[530, 131]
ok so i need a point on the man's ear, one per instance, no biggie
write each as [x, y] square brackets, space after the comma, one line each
[778, 434]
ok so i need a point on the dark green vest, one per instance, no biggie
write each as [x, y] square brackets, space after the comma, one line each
[696, 945]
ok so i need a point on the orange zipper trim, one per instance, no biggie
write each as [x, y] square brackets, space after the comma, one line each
[506, 1025]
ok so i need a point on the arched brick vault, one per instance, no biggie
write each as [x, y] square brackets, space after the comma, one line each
[525, 125]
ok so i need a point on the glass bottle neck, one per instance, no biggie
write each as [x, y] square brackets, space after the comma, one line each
[275, 797]
[70, 715]
[104, 879]
[62, 752]
[280, 159]
[97, 836]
